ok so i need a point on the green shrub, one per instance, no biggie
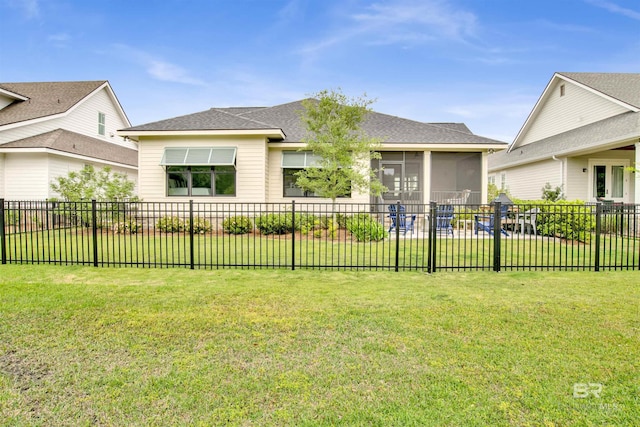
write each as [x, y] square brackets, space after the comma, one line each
[11, 217]
[275, 223]
[128, 226]
[237, 225]
[200, 225]
[571, 220]
[170, 224]
[365, 228]
[341, 220]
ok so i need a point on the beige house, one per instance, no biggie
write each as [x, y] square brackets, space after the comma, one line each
[583, 135]
[250, 155]
[48, 129]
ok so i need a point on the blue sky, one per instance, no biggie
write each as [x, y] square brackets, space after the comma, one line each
[481, 62]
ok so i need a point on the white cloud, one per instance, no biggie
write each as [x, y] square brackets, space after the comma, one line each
[614, 8]
[431, 18]
[406, 22]
[30, 8]
[60, 39]
[157, 67]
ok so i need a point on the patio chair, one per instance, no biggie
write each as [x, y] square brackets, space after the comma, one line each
[528, 218]
[444, 219]
[460, 199]
[487, 222]
[400, 220]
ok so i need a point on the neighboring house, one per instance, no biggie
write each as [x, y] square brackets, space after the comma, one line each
[48, 129]
[583, 135]
[248, 155]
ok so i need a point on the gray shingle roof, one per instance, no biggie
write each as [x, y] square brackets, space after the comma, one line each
[624, 87]
[389, 129]
[45, 99]
[592, 137]
[75, 143]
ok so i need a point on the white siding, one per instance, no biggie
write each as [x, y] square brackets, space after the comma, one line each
[276, 186]
[577, 108]
[26, 176]
[2, 175]
[250, 167]
[526, 182]
[83, 119]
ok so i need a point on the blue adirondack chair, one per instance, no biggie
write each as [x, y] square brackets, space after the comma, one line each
[444, 218]
[400, 220]
[487, 222]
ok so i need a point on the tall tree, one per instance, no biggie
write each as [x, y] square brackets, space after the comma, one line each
[343, 149]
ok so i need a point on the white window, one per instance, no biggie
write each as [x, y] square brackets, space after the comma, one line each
[200, 171]
[503, 180]
[101, 124]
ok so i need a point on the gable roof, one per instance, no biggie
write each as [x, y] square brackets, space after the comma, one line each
[624, 87]
[43, 99]
[74, 143]
[389, 129]
[621, 88]
[598, 136]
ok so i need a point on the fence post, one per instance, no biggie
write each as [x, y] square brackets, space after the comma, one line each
[497, 236]
[191, 245]
[3, 236]
[431, 244]
[398, 235]
[94, 230]
[293, 235]
[598, 231]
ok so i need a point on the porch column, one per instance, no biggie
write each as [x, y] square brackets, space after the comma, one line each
[426, 177]
[636, 175]
[484, 177]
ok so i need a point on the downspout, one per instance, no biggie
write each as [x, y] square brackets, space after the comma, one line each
[561, 172]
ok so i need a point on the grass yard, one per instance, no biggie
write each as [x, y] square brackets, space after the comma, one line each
[467, 252]
[87, 346]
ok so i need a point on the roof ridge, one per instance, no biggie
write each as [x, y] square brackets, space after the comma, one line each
[246, 118]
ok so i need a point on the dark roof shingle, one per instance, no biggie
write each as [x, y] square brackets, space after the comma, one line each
[75, 143]
[387, 128]
[45, 99]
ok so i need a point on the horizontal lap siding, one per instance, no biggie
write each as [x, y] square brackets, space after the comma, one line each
[577, 108]
[526, 182]
[26, 176]
[250, 167]
[83, 120]
[2, 193]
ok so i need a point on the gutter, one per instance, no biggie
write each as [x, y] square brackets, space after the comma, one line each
[561, 171]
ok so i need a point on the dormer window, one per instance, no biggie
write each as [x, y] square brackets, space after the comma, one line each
[561, 90]
[101, 124]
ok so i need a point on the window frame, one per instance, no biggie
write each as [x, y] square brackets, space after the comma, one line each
[102, 124]
[215, 172]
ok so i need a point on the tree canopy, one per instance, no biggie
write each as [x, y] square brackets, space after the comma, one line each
[343, 149]
[88, 184]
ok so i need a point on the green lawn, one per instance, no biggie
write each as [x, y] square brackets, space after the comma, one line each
[87, 346]
[465, 252]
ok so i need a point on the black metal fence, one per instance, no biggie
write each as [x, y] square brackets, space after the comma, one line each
[319, 236]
